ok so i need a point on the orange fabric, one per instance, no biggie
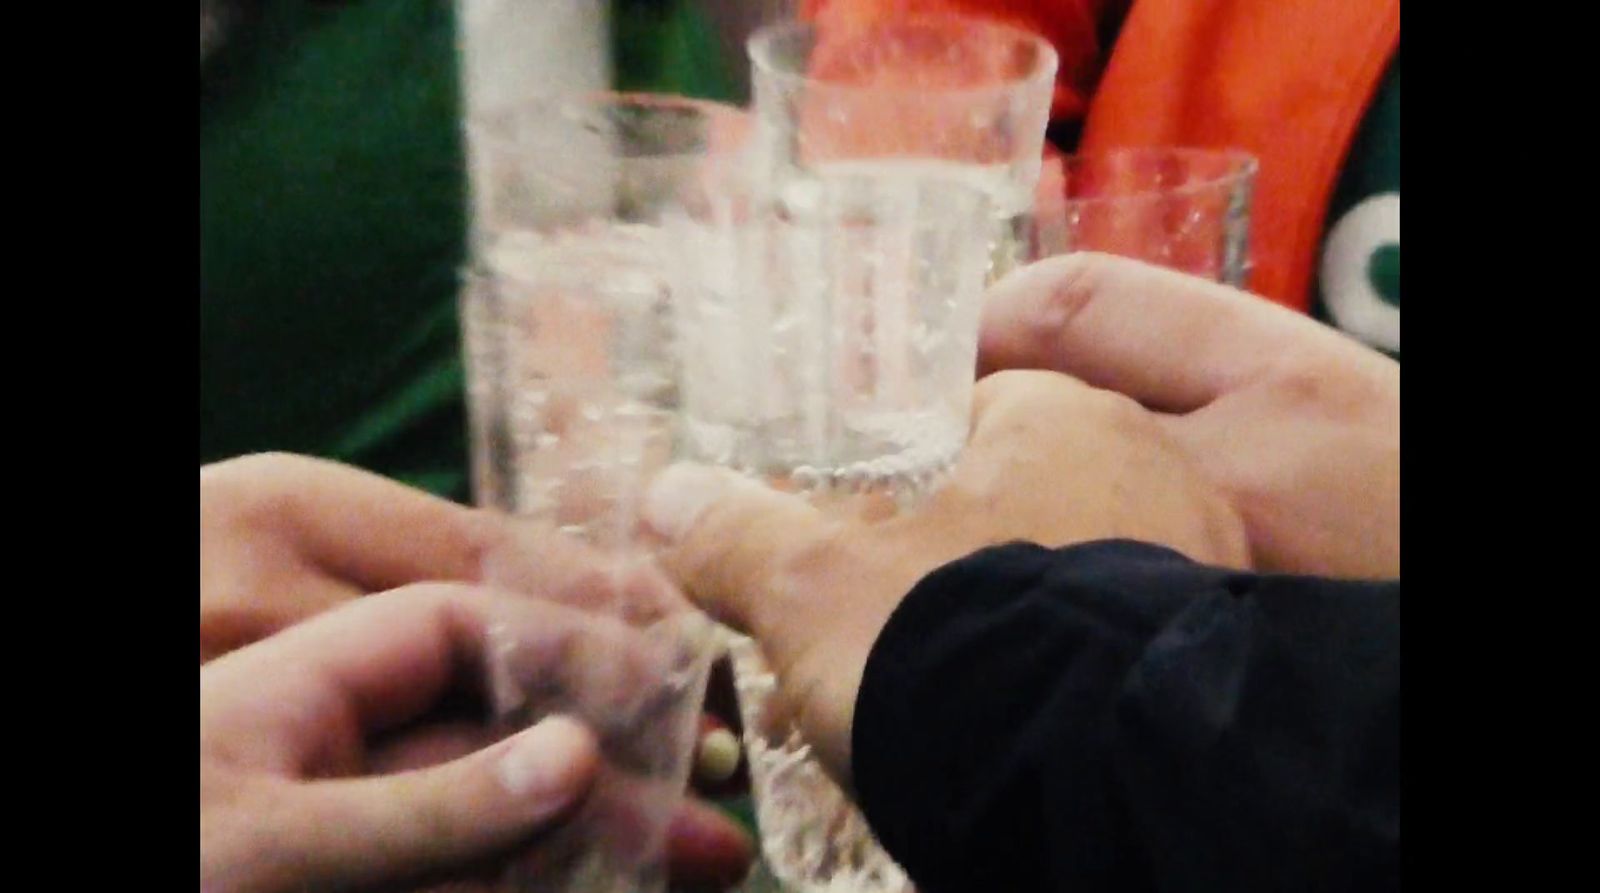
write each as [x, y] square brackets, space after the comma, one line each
[1070, 26]
[1287, 80]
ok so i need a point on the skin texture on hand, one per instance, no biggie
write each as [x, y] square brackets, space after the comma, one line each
[1050, 461]
[284, 737]
[329, 759]
[1296, 422]
[287, 539]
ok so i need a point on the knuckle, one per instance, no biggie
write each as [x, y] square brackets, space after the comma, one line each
[1075, 281]
[249, 491]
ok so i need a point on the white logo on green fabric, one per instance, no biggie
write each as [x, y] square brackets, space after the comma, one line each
[1360, 275]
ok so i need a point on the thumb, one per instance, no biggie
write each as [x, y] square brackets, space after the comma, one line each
[447, 817]
[1173, 342]
[727, 539]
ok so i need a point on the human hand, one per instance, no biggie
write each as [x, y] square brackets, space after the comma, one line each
[1297, 423]
[284, 537]
[1050, 461]
[325, 764]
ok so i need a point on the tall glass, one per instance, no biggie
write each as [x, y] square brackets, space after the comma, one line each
[828, 341]
[1188, 209]
[934, 97]
[573, 372]
[510, 51]
[566, 307]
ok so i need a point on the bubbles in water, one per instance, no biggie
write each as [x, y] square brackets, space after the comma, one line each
[813, 837]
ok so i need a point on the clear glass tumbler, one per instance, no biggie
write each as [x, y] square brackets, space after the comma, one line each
[567, 304]
[1188, 209]
[933, 97]
[829, 337]
[573, 377]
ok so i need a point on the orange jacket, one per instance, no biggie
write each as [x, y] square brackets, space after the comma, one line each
[1287, 80]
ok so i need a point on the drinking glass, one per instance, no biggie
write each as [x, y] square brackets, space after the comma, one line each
[1187, 209]
[567, 309]
[828, 339]
[934, 97]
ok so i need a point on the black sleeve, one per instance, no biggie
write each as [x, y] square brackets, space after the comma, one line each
[1113, 716]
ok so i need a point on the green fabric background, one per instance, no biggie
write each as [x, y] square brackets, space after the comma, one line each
[332, 224]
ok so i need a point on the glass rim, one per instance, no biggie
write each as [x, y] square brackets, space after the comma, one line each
[762, 52]
[1241, 167]
[480, 126]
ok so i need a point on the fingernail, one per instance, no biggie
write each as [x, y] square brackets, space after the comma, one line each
[549, 764]
[678, 497]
